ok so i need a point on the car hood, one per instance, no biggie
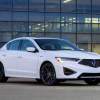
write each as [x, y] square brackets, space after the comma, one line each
[75, 54]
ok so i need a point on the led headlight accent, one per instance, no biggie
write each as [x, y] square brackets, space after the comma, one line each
[62, 59]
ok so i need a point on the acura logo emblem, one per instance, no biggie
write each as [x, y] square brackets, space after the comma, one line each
[94, 63]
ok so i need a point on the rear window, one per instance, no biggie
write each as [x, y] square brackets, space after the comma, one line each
[14, 45]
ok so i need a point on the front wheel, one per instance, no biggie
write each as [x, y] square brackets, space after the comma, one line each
[92, 81]
[48, 74]
[2, 75]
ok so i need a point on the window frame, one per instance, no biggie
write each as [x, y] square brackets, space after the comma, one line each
[21, 44]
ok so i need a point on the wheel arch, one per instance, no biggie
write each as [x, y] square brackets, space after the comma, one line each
[47, 61]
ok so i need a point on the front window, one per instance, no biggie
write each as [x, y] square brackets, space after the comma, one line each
[55, 44]
[26, 44]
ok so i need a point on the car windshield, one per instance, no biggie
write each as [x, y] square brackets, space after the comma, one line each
[56, 44]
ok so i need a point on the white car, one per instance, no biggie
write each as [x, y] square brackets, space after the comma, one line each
[48, 60]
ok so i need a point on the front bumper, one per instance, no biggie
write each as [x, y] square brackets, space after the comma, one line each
[81, 71]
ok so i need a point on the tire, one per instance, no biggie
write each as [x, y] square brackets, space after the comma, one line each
[92, 81]
[48, 74]
[2, 75]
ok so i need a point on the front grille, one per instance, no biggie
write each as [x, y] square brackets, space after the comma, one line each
[90, 62]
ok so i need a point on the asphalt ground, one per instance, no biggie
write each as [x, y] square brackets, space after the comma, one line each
[29, 89]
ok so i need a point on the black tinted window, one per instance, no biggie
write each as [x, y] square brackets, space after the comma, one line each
[25, 44]
[55, 44]
[14, 45]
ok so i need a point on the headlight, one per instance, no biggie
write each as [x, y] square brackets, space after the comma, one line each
[62, 59]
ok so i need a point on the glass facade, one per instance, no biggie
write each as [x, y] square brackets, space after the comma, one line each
[75, 20]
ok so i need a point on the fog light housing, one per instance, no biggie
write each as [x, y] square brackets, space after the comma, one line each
[68, 71]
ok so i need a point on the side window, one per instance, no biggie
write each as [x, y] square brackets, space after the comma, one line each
[25, 44]
[14, 45]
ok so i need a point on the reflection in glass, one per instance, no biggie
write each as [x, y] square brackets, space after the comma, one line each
[20, 26]
[20, 16]
[20, 5]
[68, 18]
[52, 27]
[84, 28]
[96, 6]
[68, 27]
[5, 16]
[36, 5]
[5, 26]
[52, 5]
[36, 27]
[36, 17]
[5, 36]
[52, 17]
[19, 34]
[84, 7]
[68, 6]
[69, 36]
[5, 5]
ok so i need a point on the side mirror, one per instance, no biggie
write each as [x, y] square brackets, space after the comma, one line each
[30, 49]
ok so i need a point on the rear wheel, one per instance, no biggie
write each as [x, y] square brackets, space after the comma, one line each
[48, 74]
[2, 74]
[92, 81]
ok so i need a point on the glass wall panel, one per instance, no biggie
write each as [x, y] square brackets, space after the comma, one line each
[19, 34]
[84, 6]
[5, 26]
[95, 28]
[95, 18]
[5, 16]
[20, 16]
[65, 17]
[84, 41]
[5, 36]
[37, 34]
[68, 6]
[20, 26]
[36, 5]
[70, 37]
[85, 46]
[52, 35]
[36, 17]
[96, 38]
[96, 47]
[20, 5]
[96, 6]
[68, 27]
[83, 28]
[36, 27]
[52, 27]
[96, 43]
[52, 17]
[5, 4]
[52, 5]
[84, 18]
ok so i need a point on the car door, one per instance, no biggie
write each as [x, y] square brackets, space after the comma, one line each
[11, 60]
[27, 60]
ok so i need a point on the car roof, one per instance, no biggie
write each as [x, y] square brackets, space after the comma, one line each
[34, 38]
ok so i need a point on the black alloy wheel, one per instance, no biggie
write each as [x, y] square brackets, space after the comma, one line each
[48, 74]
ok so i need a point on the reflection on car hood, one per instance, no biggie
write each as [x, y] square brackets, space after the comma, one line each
[75, 54]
